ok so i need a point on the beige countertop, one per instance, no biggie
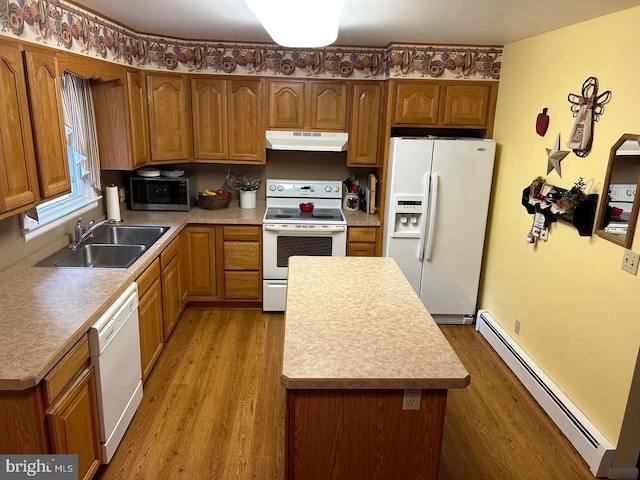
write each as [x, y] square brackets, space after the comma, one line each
[44, 311]
[356, 323]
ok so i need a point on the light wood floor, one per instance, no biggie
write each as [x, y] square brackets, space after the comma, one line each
[213, 408]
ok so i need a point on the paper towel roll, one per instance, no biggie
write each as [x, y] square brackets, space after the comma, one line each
[113, 203]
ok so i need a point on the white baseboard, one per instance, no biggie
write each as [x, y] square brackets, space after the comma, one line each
[592, 446]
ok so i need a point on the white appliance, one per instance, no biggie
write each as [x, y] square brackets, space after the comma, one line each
[437, 200]
[114, 344]
[288, 231]
[307, 141]
[621, 196]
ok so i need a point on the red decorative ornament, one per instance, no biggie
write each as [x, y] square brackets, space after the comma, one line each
[542, 122]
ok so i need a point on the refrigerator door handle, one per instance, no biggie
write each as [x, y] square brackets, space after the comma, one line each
[423, 234]
[433, 197]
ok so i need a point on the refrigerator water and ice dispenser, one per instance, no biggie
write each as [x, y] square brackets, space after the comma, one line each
[408, 211]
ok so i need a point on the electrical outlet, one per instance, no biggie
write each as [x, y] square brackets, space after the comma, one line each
[630, 262]
[517, 327]
[411, 400]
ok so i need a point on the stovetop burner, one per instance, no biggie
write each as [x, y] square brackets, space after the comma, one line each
[295, 215]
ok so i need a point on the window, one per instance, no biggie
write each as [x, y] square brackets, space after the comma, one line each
[84, 161]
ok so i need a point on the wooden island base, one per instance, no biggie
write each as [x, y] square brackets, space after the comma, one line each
[351, 434]
[349, 354]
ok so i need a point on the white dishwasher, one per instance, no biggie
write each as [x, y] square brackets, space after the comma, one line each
[114, 344]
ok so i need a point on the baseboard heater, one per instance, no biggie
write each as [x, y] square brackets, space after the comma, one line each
[594, 448]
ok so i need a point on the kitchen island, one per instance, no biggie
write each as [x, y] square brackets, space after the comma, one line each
[356, 337]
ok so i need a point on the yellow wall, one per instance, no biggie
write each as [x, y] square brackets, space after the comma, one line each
[579, 313]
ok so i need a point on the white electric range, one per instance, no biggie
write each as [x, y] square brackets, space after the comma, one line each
[288, 231]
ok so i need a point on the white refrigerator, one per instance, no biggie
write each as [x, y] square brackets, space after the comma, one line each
[437, 200]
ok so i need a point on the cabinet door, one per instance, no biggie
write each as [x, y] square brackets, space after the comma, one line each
[467, 104]
[209, 107]
[169, 117]
[246, 121]
[416, 104]
[365, 124]
[286, 105]
[150, 318]
[138, 119]
[171, 293]
[18, 174]
[328, 109]
[73, 424]
[48, 124]
[199, 245]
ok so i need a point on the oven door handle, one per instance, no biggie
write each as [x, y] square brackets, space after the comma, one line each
[280, 228]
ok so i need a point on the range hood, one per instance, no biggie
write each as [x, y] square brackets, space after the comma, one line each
[307, 141]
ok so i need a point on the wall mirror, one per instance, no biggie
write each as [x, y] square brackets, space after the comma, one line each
[618, 211]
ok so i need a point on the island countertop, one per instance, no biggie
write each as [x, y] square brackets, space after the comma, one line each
[356, 323]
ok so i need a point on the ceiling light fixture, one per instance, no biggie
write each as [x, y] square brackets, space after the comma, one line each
[299, 23]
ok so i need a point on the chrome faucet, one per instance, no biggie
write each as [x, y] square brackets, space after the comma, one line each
[81, 236]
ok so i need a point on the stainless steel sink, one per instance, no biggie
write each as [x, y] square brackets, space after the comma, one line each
[103, 256]
[114, 246]
[130, 235]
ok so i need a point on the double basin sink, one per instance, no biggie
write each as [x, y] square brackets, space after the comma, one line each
[112, 246]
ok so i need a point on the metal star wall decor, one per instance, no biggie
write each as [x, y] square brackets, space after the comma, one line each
[555, 156]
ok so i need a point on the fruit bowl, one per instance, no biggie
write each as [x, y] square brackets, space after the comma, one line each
[213, 202]
[306, 207]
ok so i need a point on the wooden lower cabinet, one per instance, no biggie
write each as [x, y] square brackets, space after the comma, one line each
[58, 415]
[361, 241]
[150, 318]
[242, 260]
[73, 424]
[362, 434]
[199, 246]
[172, 296]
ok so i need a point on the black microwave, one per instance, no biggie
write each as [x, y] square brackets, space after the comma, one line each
[162, 193]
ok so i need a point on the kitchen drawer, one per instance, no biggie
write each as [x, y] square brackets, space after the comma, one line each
[361, 249]
[242, 286]
[242, 233]
[150, 275]
[362, 234]
[169, 252]
[241, 256]
[66, 370]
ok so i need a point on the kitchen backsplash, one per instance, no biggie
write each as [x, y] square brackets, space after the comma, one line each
[65, 26]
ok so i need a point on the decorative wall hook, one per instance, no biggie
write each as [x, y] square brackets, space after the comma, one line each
[586, 108]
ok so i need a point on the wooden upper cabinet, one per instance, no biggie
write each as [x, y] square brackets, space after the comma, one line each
[209, 116]
[169, 118]
[18, 174]
[365, 124]
[121, 122]
[467, 104]
[328, 109]
[246, 126]
[138, 119]
[445, 104]
[286, 104]
[48, 124]
[311, 105]
[417, 103]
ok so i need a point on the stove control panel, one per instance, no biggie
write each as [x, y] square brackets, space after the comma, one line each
[622, 192]
[304, 188]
